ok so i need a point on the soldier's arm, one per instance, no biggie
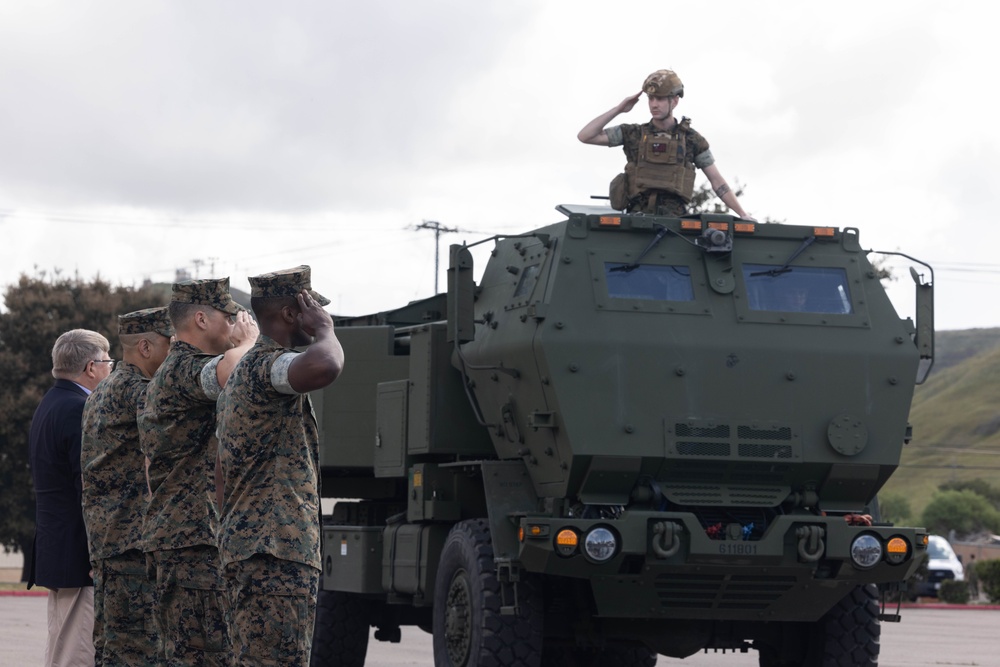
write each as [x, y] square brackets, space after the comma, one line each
[243, 337]
[723, 191]
[593, 132]
[322, 361]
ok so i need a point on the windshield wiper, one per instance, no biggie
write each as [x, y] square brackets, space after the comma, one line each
[785, 268]
[661, 231]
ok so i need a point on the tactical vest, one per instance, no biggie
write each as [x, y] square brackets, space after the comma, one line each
[658, 165]
[661, 164]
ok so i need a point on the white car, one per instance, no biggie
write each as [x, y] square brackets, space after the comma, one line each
[942, 563]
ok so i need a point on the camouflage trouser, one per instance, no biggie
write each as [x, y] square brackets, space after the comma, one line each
[273, 609]
[660, 203]
[189, 597]
[123, 612]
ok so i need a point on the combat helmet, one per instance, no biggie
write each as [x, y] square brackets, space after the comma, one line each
[663, 83]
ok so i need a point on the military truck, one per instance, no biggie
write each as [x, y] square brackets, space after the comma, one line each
[633, 436]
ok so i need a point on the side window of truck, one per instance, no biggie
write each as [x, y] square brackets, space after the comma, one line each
[655, 282]
[797, 289]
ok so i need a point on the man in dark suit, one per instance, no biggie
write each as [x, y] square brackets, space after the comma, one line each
[61, 561]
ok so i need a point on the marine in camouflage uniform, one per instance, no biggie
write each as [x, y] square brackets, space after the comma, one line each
[661, 155]
[177, 433]
[114, 494]
[269, 444]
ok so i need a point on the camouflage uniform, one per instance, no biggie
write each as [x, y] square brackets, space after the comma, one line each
[270, 533]
[696, 153]
[177, 433]
[114, 490]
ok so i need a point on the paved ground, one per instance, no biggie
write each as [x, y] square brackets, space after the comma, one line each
[925, 638]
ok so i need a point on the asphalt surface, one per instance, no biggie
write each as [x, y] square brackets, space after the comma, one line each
[928, 636]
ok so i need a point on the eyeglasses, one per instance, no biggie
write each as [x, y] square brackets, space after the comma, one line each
[111, 363]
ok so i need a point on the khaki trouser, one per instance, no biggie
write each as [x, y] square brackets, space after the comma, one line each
[71, 628]
[273, 610]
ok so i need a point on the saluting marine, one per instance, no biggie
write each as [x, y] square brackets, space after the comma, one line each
[661, 155]
[114, 494]
[177, 433]
[269, 442]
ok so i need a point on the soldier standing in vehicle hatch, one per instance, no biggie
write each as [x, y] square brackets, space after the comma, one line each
[662, 154]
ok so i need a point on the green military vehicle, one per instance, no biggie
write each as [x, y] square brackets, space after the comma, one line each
[634, 436]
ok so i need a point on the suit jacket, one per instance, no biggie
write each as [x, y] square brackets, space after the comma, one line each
[60, 557]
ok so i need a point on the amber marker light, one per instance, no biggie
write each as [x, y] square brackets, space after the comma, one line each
[721, 226]
[823, 231]
[520, 534]
[896, 550]
[691, 225]
[610, 221]
[567, 542]
[744, 227]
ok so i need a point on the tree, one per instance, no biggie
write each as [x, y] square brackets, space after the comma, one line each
[38, 310]
[895, 508]
[966, 512]
[979, 485]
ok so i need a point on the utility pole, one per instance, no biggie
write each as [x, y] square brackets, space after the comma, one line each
[439, 229]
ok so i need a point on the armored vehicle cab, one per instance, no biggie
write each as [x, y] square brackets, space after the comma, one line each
[634, 435]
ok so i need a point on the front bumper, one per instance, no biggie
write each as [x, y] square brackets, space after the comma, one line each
[781, 576]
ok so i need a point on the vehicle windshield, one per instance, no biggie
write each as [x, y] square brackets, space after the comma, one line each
[938, 550]
[656, 282]
[797, 289]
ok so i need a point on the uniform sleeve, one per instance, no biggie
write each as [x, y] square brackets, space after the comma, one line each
[702, 155]
[615, 136]
[279, 373]
[209, 379]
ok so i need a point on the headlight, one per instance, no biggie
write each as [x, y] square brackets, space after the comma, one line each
[897, 550]
[866, 551]
[600, 544]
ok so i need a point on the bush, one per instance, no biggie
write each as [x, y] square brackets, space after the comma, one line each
[954, 592]
[989, 578]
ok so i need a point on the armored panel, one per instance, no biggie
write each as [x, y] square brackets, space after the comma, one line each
[410, 561]
[346, 409]
[351, 557]
[390, 430]
[441, 417]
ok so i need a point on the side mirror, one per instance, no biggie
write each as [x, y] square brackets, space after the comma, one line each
[461, 295]
[925, 325]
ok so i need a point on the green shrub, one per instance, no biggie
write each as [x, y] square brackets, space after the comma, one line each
[963, 511]
[989, 578]
[954, 592]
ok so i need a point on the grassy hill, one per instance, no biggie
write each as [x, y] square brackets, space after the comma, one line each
[955, 418]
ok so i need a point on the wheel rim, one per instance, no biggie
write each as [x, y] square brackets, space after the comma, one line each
[458, 619]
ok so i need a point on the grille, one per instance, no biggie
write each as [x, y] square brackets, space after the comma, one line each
[692, 431]
[703, 448]
[751, 433]
[729, 494]
[748, 592]
[759, 451]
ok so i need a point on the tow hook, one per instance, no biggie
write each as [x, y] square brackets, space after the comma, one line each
[811, 545]
[666, 538]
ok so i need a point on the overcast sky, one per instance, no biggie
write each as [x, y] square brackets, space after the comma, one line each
[234, 138]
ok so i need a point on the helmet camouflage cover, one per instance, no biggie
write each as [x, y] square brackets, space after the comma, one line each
[663, 83]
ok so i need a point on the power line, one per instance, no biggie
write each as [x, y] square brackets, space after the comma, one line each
[439, 229]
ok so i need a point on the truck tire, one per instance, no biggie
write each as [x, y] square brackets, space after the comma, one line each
[848, 635]
[469, 629]
[340, 636]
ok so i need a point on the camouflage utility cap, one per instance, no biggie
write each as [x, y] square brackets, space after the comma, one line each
[287, 282]
[663, 83]
[212, 292]
[146, 321]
